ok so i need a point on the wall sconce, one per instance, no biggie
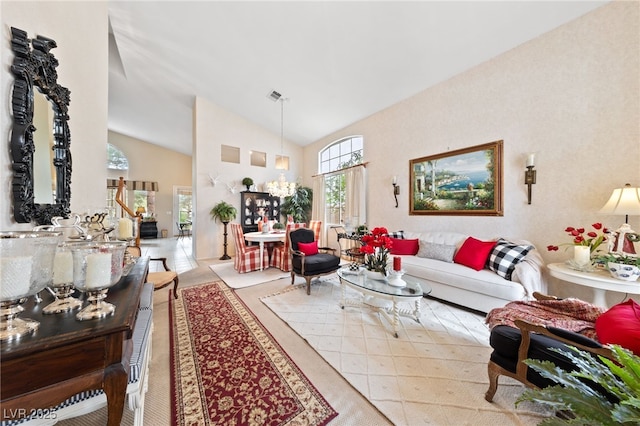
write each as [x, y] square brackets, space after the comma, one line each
[396, 189]
[530, 174]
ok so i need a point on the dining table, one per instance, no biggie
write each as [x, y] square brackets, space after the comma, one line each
[265, 237]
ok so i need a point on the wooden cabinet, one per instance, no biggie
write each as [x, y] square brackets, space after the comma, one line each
[66, 356]
[254, 206]
[148, 229]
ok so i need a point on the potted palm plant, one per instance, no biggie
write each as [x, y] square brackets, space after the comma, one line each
[224, 212]
[298, 205]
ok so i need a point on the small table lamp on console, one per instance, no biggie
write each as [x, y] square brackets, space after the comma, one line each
[623, 201]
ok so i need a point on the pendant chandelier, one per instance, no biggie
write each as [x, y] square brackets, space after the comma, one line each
[281, 188]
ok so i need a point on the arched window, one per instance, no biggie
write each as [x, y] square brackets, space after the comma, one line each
[336, 157]
[116, 160]
[340, 154]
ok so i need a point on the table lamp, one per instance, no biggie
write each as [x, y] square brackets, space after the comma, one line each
[623, 201]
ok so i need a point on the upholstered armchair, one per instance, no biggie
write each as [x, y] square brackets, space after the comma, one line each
[280, 257]
[514, 340]
[511, 346]
[247, 258]
[307, 259]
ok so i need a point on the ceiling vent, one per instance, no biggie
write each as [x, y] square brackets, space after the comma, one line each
[274, 96]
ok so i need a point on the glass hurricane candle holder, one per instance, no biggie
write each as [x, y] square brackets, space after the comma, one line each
[97, 266]
[62, 282]
[26, 267]
[127, 229]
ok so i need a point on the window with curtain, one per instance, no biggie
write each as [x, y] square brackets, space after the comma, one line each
[335, 162]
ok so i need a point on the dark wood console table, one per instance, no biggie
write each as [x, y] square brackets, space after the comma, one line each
[66, 356]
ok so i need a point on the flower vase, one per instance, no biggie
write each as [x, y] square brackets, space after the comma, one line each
[375, 275]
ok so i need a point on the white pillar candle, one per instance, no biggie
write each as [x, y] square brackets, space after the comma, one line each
[98, 270]
[125, 229]
[15, 276]
[531, 159]
[581, 255]
[63, 268]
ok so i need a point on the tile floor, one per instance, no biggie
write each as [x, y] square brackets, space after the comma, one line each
[178, 252]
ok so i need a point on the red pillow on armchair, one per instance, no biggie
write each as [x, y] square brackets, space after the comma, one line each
[620, 325]
[309, 249]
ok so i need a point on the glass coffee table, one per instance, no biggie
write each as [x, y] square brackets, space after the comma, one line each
[379, 295]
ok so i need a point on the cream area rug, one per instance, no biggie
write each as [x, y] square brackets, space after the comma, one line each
[233, 279]
[435, 372]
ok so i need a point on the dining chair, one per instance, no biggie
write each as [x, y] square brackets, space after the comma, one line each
[316, 227]
[247, 258]
[280, 258]
[160, 279]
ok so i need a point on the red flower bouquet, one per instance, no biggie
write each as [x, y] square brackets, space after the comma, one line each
[591, 239]
[376, 247]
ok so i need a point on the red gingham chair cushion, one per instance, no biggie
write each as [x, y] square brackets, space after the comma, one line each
[280, 257]
[247, 258]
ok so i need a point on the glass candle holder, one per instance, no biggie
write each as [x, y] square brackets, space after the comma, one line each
[127, 229]
[62, 281]
[97, 266]
[26, 267]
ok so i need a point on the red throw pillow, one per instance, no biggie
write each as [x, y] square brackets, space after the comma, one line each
[308, 249]
[620, 325]
[402, 246]
[474, 253]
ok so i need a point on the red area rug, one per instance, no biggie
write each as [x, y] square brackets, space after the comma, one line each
[227, 368]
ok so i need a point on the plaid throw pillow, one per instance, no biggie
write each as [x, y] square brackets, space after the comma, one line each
[397, 234]
[505, 256]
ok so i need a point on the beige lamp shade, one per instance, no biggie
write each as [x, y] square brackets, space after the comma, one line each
[623, 201]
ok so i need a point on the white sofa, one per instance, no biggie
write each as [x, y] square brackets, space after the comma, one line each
[479, 290]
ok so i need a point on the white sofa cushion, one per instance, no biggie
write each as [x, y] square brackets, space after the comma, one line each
[455, 275]
[443, 252]
[448, 238]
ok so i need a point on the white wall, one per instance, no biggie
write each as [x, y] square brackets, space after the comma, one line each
[213, 127]
[148, 162]
[572, 95]
[81, 32]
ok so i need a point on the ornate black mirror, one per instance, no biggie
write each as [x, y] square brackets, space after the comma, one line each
[40, 138]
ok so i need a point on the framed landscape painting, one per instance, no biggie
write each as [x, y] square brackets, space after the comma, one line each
[462, 182]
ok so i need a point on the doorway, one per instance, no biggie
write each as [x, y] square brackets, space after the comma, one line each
[182, 210]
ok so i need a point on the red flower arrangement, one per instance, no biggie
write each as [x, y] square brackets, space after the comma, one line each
[592, 239]
[376, 246]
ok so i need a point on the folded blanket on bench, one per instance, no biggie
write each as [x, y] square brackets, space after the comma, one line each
[570, 314]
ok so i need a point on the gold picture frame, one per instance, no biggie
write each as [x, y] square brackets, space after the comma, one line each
[466, 181]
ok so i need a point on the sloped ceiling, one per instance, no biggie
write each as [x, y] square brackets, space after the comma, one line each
[336, 62]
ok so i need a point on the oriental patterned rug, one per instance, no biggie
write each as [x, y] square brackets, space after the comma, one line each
[228, 369]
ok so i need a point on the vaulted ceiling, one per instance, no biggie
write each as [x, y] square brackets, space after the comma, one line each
[336, 61]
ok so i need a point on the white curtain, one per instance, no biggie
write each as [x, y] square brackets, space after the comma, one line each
[355, 202]
[318, 205]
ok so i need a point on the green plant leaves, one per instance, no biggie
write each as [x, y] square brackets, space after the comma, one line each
[620, 378]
